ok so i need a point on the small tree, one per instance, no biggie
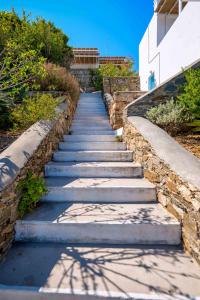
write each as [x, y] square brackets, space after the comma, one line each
[190, 95]
[111, 70]
[18, 68]
[18, 71]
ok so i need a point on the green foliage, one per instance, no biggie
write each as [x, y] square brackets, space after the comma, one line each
[18, 69]
[96, 79]
[171, 116]
[33, 109]
[39, 35]
[190, 96]
[119, 138]
[110, 70]
[59, 79]
[32, 188]
[5, 105]
[195, 126]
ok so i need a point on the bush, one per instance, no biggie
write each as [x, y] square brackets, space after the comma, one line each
[110, 70]
[171, 116]
[190, 96]
[33, 109]
[32, 188]
[96, 79]
[39, 35]
[59, 79]
[5, 105]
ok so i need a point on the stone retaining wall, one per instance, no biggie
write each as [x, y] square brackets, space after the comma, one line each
[84, 78]
[30, 152]
[114, 84]
[162, 93]
[174, 171]
[115, 105]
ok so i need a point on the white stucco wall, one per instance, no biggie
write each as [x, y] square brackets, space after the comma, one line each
[166, 54]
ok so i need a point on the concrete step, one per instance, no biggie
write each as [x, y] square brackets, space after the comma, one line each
[91, 123]
[89, 106]
[93, 132]
[83, 114]
[94, 169]
[77, 146]
[93, 110]
[92, 113]
[90, 138]
[92, 127]
[87, 156]
[99, 190]
[45, 271]
[110, 224]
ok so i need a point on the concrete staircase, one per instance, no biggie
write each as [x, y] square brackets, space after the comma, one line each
[99, 202]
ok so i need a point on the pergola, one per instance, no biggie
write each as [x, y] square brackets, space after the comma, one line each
[86, 55]
[169, 6]
[115, 60]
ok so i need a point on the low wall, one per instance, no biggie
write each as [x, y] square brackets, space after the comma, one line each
[114, 84]
[174, 171]
[30, 152]
[115, 105]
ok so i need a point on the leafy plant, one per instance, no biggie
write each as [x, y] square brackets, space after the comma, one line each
[111, 70]
[32, 188]
[96, 79]
[59, 79]
[39, 35]
[190, 96]
[33, 109]
[171, 116]
[119, 138]
[195, 126]
[18, 69]
[5, 105]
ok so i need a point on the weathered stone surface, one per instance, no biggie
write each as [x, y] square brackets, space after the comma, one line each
[30, 152]
[115, 105]
[174, 171]
[115, 84]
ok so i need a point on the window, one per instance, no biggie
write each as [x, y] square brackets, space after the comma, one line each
[151, 81]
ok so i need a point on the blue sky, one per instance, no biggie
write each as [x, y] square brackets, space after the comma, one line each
[114, 26]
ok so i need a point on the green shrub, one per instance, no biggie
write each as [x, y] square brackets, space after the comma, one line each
[33, 109]
[171, 116]
[190, 96]
[96, 79]
[195, 126]
[111, 70]
[59, 79]
[5, 105]
[32, 188]
[39, 35]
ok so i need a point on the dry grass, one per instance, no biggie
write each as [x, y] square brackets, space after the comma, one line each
[190, 142]
[59, 79]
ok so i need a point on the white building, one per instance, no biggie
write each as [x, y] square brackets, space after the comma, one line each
[171, 41]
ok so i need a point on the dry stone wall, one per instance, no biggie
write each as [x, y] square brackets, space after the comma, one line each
[115, 105]
[30, 152]
[174, 171]
[114, 84]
